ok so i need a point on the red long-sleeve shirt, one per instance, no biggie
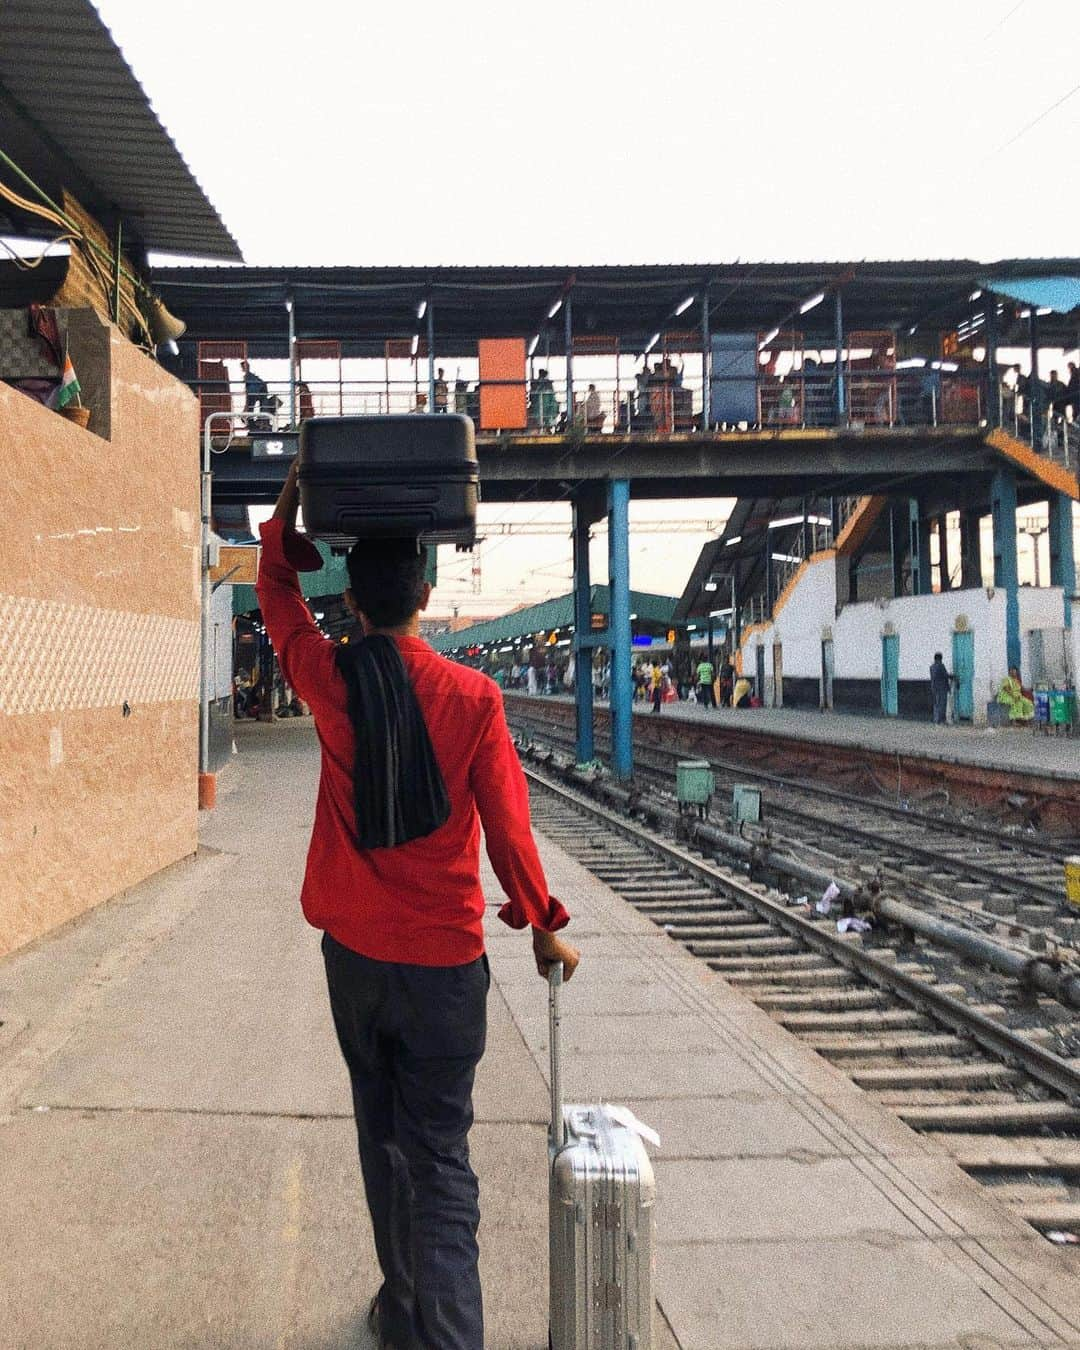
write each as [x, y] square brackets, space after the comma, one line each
[420, 902]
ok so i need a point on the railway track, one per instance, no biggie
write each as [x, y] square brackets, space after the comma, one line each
[962, 1054]
[956, 864]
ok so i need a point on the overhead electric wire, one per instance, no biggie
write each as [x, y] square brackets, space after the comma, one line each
[1035, 121]
[1004, 20]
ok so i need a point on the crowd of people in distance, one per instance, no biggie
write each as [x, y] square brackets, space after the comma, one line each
[667, 677]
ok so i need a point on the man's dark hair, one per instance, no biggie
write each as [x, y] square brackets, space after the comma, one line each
[386, 577]
[937, 656]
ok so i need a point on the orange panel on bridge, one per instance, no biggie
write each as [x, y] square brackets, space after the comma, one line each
[502, 383]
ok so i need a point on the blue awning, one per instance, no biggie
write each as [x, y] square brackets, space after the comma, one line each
[1060, 294]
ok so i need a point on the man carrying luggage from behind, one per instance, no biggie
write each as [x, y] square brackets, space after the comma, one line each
[415, 756]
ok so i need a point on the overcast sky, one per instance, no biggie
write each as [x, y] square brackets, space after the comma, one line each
[605, 131]
[595, 131]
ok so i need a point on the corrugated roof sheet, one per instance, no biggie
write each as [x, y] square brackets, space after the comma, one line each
[552, 614]
[72, 107]
[1059, 294]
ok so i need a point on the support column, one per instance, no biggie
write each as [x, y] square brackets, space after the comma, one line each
[970, 549]
[1003, 508]
[993, 382]
[841, 395]
[1035, 398]
[768, 571]
[706, 364]
[430, 357]
[290, 306]
[919, 548]
[1062, 555]
[898, 528]
[944, 582]
[622, 689]
[583, 648]
[568, 336]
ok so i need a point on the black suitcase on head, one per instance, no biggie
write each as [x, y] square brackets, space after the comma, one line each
[411, 476]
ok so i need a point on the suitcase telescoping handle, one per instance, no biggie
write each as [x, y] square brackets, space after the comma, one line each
[558, 1128]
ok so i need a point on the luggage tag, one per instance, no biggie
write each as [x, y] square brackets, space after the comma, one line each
[625, 1117]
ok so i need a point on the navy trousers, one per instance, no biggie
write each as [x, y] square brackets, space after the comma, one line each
[412, 1037]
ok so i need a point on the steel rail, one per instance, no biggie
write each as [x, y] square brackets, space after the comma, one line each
[1043, 1065]
[983, 871]
[1044, 848]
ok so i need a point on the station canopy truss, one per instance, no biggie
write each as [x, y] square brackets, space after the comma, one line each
[364, 307]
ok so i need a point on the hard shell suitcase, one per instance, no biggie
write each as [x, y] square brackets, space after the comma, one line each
[602, 1213]
[412, 476]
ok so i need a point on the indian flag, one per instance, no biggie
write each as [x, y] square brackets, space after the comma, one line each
[69, 389]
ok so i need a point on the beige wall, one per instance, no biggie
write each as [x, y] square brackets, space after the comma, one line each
[98, 605]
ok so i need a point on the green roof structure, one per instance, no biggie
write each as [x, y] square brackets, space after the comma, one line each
[653, 611]
[331, 580]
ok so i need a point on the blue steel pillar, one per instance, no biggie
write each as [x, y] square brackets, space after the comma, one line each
[841, 398]
[583, 649]
[622, 690]
[1062, 556]
[1003, 509]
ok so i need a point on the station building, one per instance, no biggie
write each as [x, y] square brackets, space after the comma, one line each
[877, 404]
[100, 552]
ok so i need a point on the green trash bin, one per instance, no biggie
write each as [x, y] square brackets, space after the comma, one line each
[1062, 703]
[694, 783]
[745, 804]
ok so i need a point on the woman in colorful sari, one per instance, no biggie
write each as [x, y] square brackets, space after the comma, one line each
[1012, 696]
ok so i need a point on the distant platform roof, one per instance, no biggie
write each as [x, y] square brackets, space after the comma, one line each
[73, 114]
[367, 305]
[551, 615]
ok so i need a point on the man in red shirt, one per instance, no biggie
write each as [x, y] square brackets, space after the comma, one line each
[402, 925]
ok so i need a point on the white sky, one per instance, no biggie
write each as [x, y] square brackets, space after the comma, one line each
[592, 131]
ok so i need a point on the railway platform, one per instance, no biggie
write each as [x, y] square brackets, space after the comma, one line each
[177, 1159]
[1010, 770]
[995, 749]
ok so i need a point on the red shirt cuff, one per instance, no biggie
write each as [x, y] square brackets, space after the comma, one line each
[297, 550]
[555, 917]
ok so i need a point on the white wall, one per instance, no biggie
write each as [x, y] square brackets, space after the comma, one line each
[924, 624]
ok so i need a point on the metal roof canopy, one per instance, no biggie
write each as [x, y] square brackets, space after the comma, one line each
[74, 115]
[551, 615]
[365, 306]
[1059, 295]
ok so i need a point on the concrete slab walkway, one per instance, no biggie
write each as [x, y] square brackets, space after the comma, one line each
[177, 1160]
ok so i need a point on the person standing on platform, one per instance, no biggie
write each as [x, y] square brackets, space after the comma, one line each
[416, 756]
[656, 686]
[256, 398]
[726, 680]
[705, 677]
[939, 689]
[442, 391]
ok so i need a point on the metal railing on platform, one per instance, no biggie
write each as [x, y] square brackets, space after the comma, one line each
[1054, 433]
[652, 403]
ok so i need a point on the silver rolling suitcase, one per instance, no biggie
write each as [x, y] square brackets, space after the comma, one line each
[602, 1215]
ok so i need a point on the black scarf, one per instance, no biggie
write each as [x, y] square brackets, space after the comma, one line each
[398, 789]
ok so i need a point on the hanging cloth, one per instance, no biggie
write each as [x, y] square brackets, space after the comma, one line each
[398, 789]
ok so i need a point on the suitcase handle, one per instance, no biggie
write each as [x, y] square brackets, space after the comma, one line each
[557, 1131]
